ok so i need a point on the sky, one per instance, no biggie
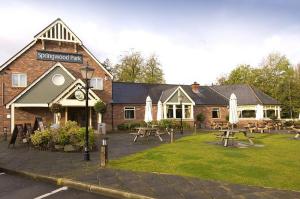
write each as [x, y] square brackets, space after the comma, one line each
[194, 40]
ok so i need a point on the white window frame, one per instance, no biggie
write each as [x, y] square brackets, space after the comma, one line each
[218, 111]
[19, 80]
[183, 110]
[97, 79]
[129, 108]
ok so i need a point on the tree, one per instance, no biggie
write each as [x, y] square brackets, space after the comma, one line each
[152, 72]
[276, 77]
[133, 68]
[130, 68]
[108, 65]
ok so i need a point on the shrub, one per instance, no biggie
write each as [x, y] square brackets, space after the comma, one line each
[175, 124]
[41, 138]
[80, 137]
[166, 123]
[55, 108]
[200, 117]
[130, 125]
[70, 133]
[60, 137]
[100, 107]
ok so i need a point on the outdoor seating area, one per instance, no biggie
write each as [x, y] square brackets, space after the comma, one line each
[146, 132]
[219, 125]
[228, 137]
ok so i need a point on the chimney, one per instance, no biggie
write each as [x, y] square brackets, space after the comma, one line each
[195, 87]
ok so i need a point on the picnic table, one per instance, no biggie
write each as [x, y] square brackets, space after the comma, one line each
[229, 134]
[146, 132]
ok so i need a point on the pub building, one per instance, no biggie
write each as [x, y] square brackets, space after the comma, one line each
[47, 71]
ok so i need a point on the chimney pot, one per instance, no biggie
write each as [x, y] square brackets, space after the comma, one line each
[195, 87]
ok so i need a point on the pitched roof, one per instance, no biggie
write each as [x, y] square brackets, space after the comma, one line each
[136, 93]
[246, 95]
[56, 31]
[264, 98]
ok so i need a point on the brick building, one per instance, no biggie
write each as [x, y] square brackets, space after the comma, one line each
[47, 71]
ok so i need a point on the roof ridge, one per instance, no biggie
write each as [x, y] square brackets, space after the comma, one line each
[148, 83]
[155, 83]
[255, 93]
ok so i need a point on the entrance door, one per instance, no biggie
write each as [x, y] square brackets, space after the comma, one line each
[77, 114]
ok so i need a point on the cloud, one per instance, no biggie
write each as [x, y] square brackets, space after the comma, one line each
[193, 53]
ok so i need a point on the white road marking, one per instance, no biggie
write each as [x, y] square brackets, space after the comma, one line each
[2, 174]
[52, 192]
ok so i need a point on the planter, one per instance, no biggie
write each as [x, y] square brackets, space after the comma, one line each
[58, 147]
[69, 148]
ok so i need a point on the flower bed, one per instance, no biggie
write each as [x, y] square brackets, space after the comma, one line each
[68, 138]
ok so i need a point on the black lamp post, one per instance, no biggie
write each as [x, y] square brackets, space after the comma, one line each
[87, 74]
[180, 101]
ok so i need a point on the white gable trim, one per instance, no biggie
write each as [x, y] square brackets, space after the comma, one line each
[58, 31]
[17, 55]
[62, 98]
[39, 79]
[30, 105]
[96, 60]
[181, 89]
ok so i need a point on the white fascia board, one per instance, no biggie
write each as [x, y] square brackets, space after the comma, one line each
[71, 89]
[29, 105]
[181, 89]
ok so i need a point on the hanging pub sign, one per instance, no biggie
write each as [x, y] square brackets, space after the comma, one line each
[58, 56]
[79, 95]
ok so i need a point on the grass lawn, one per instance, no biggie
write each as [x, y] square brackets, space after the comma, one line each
[277, 164]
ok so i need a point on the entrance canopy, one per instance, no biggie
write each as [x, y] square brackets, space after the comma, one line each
[71, 96]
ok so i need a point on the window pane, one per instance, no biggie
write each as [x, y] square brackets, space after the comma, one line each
[129, 113]
[14, 79]
[248, 113]
[23, 80]
[178, 111]
[170, 111]
[188, 110]
[215, 113]
[93, 83]
[100, 84]
[270, 113]
[96, 83]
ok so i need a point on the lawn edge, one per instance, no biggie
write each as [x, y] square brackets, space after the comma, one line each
[211, 180]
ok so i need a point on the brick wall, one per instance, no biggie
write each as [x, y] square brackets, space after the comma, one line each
[27, 63]
[207, 111]
[118, 113]
[27, 115]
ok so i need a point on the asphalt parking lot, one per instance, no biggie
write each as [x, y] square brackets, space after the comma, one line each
[16, 187]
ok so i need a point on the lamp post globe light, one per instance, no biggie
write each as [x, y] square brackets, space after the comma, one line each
[180, 98]
[86, 73]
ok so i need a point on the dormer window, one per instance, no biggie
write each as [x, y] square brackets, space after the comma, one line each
[19, 80]
[96, 83]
